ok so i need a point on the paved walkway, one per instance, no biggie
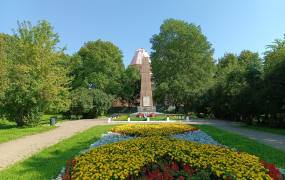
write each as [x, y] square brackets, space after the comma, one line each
[274, 140]
[19, 149]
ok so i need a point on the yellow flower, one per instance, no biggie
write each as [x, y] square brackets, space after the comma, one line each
[125, 158]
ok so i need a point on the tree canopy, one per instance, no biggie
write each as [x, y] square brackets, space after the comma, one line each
[182, 63]
[38, 81]
[97, 67]
[38, 77]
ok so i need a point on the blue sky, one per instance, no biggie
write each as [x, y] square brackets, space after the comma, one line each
[230, 25]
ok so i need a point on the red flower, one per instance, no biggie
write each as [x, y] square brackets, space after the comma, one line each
[274, 172]
[174, 166]
[140, 115]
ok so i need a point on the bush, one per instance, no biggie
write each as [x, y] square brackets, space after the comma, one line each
[90, 102]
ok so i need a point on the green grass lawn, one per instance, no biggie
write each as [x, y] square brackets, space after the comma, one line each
[245, 144]
[9, 130]
[48, 163]
[267, 129]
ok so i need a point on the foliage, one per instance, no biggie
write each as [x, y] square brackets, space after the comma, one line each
[274, 87]
[152, 129]
[182, 63]
[98, 64]
[4, 47]
[238, 78]
[97, 69]
[101, 102]
[241, 87]
[46, 164]
[248, 89]
[39, 82]
[127, 158]
[81, 101]
[89, 102]
[130, 85]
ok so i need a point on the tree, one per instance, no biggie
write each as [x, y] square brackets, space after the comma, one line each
[3, 65]
[81, 102]
[99, 64]
[249, 101]
[223, 90]
[274, 87]
[238, 80]
[130, 85]
[89, 103]
[182, 63]
[97, 70]
[101, 103]
[39, 82]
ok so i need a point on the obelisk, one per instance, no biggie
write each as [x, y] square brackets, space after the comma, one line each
[141, 60]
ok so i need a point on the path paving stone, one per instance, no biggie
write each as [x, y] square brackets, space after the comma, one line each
[274, 140]
[22, 148]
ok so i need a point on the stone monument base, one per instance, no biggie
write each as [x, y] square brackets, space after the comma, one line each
[146, 109]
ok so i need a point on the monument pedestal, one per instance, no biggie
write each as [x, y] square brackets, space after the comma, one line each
[146, 109]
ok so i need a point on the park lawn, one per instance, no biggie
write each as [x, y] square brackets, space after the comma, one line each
[278, 131]
[245, 144]
[9, 130]
[48, 163]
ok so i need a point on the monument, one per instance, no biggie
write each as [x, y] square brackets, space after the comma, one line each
[141, 61]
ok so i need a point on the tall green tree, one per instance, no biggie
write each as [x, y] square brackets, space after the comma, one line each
[3, 66]
[222, 92]
[182, 63]
[130, 85]
[97, 67]
[99, 64]
[274, 87]
[249, 101]
[238, 80]
[38, 81]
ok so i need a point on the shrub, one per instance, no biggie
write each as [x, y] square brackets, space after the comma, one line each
[90, 102]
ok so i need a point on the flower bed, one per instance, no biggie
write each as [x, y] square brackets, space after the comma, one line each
[152, 129]
[164, 151]
[196, 136]
[110, 138]
[142, 157]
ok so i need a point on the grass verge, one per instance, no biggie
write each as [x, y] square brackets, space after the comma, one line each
[245, 144]
[278, 131]
[9, 131]
[47, 163]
